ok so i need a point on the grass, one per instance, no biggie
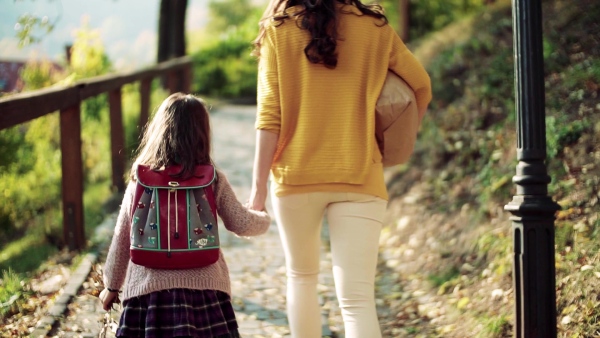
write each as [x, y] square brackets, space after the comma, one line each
[13, 292]
[95, 198]
[495, 327]
[444, 277]
[473, 107]
[22, 258]
[26, 254]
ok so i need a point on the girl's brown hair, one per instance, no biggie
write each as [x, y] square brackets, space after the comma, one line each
[178, 134]
[319, 17]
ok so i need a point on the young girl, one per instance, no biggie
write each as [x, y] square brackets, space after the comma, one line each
[176, 303]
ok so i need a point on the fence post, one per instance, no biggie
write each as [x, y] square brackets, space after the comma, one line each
[532, 209]
[187, 77]
[72, 177]
[145, 85]
[117, 142]
[174, 81]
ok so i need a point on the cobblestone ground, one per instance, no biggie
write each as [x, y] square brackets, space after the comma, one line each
[256, 265]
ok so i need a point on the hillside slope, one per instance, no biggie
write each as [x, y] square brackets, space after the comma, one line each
[447, 242]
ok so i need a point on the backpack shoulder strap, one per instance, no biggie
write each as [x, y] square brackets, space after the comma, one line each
[210, 196]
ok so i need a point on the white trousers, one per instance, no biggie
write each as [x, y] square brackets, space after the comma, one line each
[355, 222]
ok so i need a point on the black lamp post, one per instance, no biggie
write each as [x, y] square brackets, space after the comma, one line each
[531, 208]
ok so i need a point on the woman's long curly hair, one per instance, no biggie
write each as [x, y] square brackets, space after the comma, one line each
[178, 134]
[319, 17]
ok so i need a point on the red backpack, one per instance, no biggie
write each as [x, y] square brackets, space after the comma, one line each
[174, 221]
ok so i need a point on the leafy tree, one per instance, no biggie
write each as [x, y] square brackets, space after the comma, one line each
[228, 14]
[88, 59]
[31, 28]
[39, 74]
[28, 28]
[33, 165]
[225, 67]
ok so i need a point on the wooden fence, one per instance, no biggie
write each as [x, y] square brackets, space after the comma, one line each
[20, 108]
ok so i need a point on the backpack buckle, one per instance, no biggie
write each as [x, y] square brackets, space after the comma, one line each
[173, 184]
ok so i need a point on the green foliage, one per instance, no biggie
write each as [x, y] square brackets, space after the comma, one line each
[225, 68]
[227, 14]
[28, 25]
[88, 59]
[12, 293]
[31, 177]
[444, 277]
[489, 77]
[30, 157]
[87, 54]
[467, 155]
[561, 133]
[430, 16]
[28, 252]
[40, 74]
[390, 8]
[31, 183]
[495, 327]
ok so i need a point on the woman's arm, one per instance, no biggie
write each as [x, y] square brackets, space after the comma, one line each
[266, 143]
[406, 65]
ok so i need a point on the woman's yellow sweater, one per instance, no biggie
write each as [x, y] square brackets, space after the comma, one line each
[325, 118]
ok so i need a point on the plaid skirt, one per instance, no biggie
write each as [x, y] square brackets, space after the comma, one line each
[179, 313]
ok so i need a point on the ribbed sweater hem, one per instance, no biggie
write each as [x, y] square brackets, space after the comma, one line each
[319, 175]
[187, 283]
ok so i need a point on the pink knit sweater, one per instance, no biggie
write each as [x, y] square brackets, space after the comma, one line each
[135, 280]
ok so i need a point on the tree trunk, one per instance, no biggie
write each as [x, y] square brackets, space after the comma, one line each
[178, 12]
[163, 31]
[171, 29]
[171, 33]
[404, 16]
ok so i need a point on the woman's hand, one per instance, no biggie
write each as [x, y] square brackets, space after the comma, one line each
[108, 298]
[258, 197]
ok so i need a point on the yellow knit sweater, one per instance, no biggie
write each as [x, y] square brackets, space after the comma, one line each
[325, 118]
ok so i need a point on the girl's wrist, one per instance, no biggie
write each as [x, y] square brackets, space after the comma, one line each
[112, 290]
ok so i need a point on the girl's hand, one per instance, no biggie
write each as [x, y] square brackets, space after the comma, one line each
[108, 298]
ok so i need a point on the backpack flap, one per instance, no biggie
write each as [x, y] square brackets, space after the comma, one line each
[203, 176]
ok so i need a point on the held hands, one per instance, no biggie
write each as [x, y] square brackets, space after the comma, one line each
[108, 298]
[258, 196]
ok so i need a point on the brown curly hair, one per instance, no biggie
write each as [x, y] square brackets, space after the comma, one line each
[319, 18]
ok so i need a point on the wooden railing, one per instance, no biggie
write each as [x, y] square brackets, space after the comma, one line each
[20, 108]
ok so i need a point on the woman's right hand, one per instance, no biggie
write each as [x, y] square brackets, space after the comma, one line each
[258, 198]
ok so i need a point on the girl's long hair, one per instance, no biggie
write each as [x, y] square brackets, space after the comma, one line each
[319, 17]
[178, 134]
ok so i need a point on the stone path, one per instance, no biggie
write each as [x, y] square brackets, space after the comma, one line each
[256, 265]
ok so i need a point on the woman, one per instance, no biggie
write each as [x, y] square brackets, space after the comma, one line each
[322, 66]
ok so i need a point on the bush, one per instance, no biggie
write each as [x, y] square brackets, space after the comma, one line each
[224, 67]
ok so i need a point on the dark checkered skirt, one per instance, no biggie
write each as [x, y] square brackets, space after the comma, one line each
[179, 313]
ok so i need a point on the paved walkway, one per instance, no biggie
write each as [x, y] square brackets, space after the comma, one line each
[256, 265]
